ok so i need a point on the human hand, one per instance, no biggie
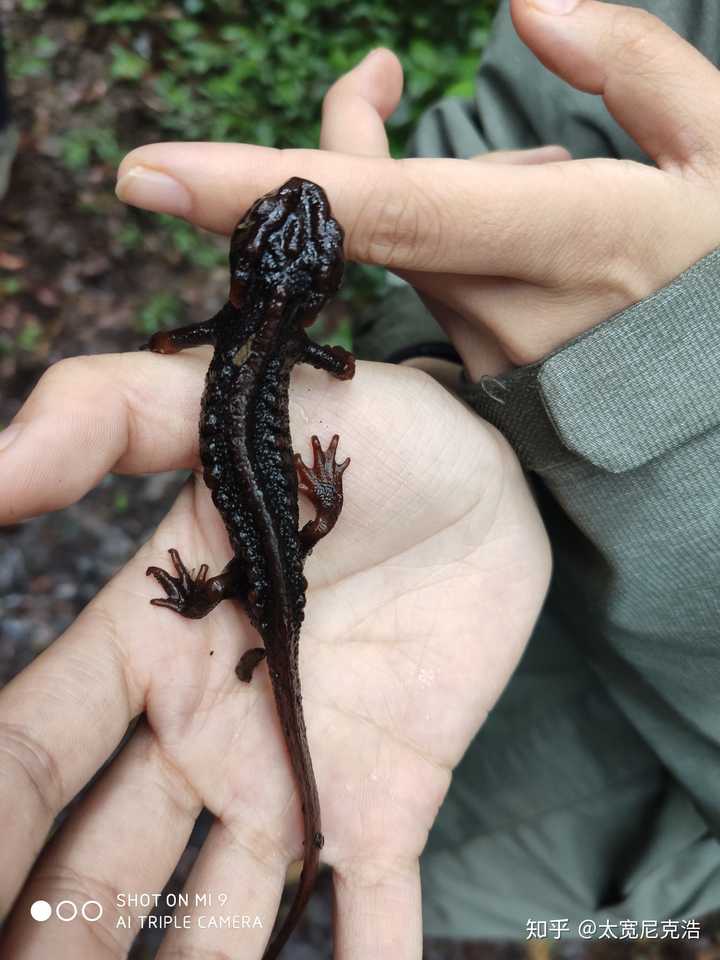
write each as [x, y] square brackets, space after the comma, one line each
[419, 605]
[515, 259]
[596, 257]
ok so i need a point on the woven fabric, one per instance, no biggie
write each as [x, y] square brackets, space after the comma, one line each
[645, 382]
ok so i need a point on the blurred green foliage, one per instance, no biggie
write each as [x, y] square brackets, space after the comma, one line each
[253, 72]
[218, 70]
[33, 60]
[257, 73]
[85, 144]
[162, 311]
[29, 336]
[11, 286]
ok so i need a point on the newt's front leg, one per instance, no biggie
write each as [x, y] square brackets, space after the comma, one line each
[195, 597]
[335, 360]
[182, 338]
[323, 485]
[193, 335]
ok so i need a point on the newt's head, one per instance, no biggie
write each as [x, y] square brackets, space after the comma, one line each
[288, 248]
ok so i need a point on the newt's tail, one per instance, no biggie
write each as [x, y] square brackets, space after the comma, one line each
[289, 706]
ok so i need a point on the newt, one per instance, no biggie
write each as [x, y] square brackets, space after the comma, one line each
[286, 262]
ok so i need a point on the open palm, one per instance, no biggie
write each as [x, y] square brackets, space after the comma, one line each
[419, 605]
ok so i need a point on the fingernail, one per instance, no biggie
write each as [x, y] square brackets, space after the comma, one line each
[9, 434]
[153, 190]
[554, 6]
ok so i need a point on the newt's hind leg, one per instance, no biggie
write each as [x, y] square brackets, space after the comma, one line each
[195, 597]
[323, 484]
[247, 663]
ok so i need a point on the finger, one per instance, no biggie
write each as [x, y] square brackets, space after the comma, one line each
[126, 836]
[378, 910]
[357, 105]
[423, 214]
[134, 413]
[478, 347]
[548, 154]
[60, 719]
[241, 882]
[655, 84]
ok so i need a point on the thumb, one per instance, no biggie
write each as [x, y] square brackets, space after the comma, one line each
[656, 85]
[357, 105]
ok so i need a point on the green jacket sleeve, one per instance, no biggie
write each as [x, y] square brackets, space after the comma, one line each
[622, 428]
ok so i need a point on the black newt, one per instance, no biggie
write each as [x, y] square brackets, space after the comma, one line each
[286, 261]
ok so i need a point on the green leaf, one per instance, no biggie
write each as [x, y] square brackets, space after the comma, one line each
[29, 336]
[130, 237]
[84, 144]
[121, 12]
[160, 312]
[126, 65]
[183, 30]
[462, 88]
[297, 9]
[75, 152]
[11, 286]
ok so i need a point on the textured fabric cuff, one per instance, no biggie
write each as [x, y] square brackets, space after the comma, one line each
[645, 381]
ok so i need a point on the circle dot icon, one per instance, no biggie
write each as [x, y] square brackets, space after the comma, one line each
[41, 911]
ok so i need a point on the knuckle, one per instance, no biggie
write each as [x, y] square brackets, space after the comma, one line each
[105, 625]
[367, 873]
[633, 36]
[264, 850]
[331, 97]
[69, 370]
[81, 380]
[585, 245]
[25, 760]
[178, 793]
[612, 273]
[396, 227]
[391, 228]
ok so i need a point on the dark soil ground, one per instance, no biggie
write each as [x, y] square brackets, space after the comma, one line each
[77, 270]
